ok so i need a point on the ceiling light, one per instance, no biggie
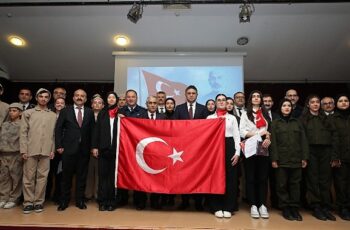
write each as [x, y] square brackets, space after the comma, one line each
[17, 41]
[135, 13]
[121, 40]
[242, 41]
[247, 10]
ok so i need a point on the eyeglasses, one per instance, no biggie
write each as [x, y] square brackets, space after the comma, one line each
[328, 103]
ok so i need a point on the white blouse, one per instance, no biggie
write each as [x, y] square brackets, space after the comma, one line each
[247, 125]
[231, 129]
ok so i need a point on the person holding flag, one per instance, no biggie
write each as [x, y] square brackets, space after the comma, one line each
[223, 205]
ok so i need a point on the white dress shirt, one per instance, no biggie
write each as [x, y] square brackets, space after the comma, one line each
[193, 107]
[231, 129]
[76, 110]
[150, 116]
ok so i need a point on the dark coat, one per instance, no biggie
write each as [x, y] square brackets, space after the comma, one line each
[69, 135]
[181, 112]
[137, 112]
[289, 144]
[342, 124]
[101, 135]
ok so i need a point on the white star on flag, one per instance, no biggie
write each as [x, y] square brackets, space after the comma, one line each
[176, 156]
[177, 92]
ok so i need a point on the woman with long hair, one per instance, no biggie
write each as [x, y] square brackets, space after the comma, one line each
[323, 141]
[289, 154]
[103, 147]
[255, 122]
[230, 105]
[224, 205]
[341, 119]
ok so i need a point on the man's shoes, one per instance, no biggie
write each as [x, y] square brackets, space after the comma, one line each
[296, 215]
[317, 212]
[254, 212]
[38, 208]
[344, 214]
[81, 205]
[328, 214]
[9, 205]
[140, 207]
[110, 208]
[287, 214]
[62, 206]
[263, 212]
[183, 206]
[102, 207]
[28, 209]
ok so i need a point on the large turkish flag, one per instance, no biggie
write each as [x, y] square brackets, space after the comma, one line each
[171, 156]
[172, 89]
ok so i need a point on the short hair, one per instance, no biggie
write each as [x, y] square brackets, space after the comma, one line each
[161, 92]
[332, 99]
[149, 97]
[130, 90]
[191, 87]
[220, 94]
[239, 92]
[267, 95]
[25, 88]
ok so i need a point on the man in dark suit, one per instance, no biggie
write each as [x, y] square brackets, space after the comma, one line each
[153, 114]
[268, 104]
[292, 95]
[73, 140]
[187, 111]
[132, 109]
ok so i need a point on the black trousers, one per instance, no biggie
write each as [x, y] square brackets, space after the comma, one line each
[54, 179]
[288, 186]
[256, 173]
[74, 164]
[319, 176]
[342, 185]
[106, 177]
[227, 201]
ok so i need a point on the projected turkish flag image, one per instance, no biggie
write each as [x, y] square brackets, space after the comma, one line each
[171, 156]
[172, 89]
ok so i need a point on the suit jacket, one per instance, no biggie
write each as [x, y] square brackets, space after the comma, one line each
[159, 116]
[101, 135]
[137, 112]
[69, 135]
[181, 112]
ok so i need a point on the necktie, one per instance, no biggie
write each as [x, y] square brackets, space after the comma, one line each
[152, 116]
[240, 111]
[80, 117]
[161, 110]
[190, 112]
[24, 107]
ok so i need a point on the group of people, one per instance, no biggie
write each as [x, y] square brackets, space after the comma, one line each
[302, 152]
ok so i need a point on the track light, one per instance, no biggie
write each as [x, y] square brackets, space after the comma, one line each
[247, 10]
[135, 13]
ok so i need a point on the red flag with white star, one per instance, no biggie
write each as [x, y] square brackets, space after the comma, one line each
[171, 156]
[172, 89]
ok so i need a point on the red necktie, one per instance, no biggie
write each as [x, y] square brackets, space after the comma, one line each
[80, 117]
[190, 112]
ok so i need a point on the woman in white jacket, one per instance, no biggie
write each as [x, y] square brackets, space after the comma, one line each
[255, 122]
[223, 205]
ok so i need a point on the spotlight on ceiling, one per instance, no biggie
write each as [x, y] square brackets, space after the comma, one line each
[135, 13]
[247, 10]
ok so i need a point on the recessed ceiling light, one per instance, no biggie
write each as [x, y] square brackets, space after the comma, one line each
[121, 40]
[17, 41]
[242, 41]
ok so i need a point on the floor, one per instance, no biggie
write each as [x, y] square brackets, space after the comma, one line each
[129, 218]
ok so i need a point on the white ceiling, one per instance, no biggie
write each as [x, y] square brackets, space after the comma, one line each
[288, 42]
